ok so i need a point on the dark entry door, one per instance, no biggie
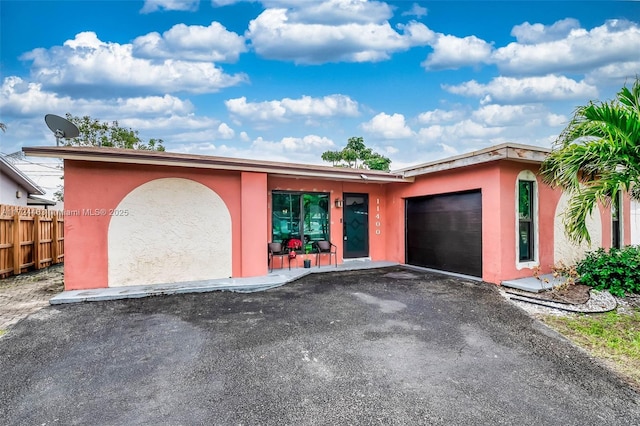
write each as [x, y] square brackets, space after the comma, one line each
[355, 223]
[445, 232]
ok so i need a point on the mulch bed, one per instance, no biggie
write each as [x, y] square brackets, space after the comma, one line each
[575, 294]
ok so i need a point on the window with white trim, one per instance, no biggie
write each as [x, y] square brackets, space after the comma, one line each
[616, 234]
[526, 225]
[526, 220]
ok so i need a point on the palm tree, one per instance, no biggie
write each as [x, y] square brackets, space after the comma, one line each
[596, 156]
[3, 127]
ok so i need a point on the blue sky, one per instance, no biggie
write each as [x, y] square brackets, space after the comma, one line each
[286, 80]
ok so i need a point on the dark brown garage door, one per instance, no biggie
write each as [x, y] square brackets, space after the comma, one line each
[445, 232]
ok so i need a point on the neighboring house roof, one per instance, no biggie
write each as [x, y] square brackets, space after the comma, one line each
[20, 178]
[506, 151]
[131, 156]
[32, 200]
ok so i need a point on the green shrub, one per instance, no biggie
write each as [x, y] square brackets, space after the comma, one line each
[617, 270]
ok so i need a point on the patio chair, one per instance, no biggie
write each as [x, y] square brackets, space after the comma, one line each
[277, 250]
[325, 247]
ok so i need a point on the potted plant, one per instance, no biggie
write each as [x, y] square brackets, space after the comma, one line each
[293, 244]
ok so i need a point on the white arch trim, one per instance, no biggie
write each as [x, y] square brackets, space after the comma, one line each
[169, 230]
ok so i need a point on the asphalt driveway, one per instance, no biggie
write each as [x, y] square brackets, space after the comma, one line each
[386, 346]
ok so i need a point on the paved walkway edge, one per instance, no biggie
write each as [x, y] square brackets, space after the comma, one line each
[274, 279]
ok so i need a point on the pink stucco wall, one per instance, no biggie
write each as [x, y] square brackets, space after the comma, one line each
[91, 186]
[253, 208]
[547, 202]
[497, 182]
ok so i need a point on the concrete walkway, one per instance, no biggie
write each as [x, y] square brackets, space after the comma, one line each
[276, 278]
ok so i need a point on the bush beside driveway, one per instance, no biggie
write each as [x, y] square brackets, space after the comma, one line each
[387, 346]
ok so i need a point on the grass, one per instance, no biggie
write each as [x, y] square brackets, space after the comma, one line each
[612, 336]
[2, 331]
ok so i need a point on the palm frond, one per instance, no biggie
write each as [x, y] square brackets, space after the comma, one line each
[595, 156]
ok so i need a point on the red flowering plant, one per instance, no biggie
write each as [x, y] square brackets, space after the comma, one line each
[293, 245]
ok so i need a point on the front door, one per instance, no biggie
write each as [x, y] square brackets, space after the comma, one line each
[355, 223]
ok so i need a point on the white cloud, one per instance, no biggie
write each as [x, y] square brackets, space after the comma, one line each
[309, 143]
[24, 105]
[335, 12]
[530, 89]
[305, 150]
[183, 133]
[200, 148]
[439, 116]
[617, 73]
[191, 42]
[388, 126]
[431, 133]
[22, 98]
[19, 98]
[501, 115]
[216, 3]
[448, 149]
[530, 124]
[465, 133]
[174, 124]
[471, 129]
[556, 120]
[608, 51]
[256, 111]
[451, 52]
[416, 10]
[153, 105]
[274, 36]
[617, 41]
[86, 65]
[156, 5]
[323, 107]
[538, 33]
[285, 109]
[517, 115]
[225, 131]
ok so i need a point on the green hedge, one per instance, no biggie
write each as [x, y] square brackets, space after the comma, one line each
[617, 270]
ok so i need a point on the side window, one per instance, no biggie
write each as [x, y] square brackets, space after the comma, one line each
[616, 235]
[526, 220]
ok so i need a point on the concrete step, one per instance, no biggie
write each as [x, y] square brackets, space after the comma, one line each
[535, 284]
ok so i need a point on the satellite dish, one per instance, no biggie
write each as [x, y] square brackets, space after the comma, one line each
[61, 127]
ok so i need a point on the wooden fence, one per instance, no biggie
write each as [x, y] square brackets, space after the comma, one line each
[30, 238]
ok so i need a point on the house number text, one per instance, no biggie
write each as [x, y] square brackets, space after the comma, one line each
[378, 223]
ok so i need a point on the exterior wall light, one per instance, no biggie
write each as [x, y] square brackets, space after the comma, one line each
[18, 194]
[338, 203]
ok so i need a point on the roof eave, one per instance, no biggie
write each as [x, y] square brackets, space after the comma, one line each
[511, 152]
[218, 163]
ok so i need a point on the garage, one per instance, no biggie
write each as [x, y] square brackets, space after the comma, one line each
[444, 232]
